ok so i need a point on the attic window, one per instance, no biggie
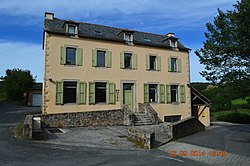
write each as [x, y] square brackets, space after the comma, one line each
[147, 40]
[71, 30]
[172, 44]
[98, 33]
[128, 37]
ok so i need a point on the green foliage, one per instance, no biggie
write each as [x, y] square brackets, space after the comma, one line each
[16, 83]
[226, 51]
[200, 86]
[19, 130]
[240, 101]
[240, 116]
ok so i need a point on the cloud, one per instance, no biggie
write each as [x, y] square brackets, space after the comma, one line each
[26, 56]
[139, 13]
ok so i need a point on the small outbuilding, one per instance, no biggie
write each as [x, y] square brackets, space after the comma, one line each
[200, 106]
[34, 95]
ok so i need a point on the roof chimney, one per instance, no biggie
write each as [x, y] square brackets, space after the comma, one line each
[170, 34]
[49, 16]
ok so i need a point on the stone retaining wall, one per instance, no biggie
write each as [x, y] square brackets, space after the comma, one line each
[80, 119]
[28, 127]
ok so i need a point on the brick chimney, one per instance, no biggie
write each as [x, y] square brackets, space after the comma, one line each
[49, 16]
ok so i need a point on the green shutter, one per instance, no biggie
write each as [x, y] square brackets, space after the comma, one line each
[134, 61]
[108, 59]
[59, 92]
[81, 93]
[94, 57]
[162, 93]
[146, 93]
[179, 66]
[168, 93]
[158, 63]
[147, 62]
[79, 56]
[111, 93]
[63, 55]
[122, 60]
[169, 64]
[91, 93]
[183, 96]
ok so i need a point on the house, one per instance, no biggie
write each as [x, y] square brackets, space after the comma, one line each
[96, 69]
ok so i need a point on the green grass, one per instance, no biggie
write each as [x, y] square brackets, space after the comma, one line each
[239, 116]
[240, 101]
[19, 130]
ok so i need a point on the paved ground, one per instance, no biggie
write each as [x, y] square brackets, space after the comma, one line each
[15, 152]
[222, 144]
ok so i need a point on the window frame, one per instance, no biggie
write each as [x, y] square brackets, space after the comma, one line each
[73, 48]
[156, 92]
[106, 93]
[176, 94]
[155, 63]
[131, 60]
[75, 30]
[105, 52]
[64, 90]
[175, 62]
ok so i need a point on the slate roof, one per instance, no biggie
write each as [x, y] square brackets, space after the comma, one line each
[88, 30]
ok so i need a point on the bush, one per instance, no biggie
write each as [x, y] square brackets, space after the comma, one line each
[19, 130]
[235, 117]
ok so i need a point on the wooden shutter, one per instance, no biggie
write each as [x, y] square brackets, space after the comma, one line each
[162, 93]
[134, 61]
[169, 64]
[147, 62]
[81, 93]
[158, 63]
[91, 93]
[179, 65]
[108, 59]
[183, 96]
[146, 93]
[122, 60]
[63, 55]
[59, 92]
[79, 56]
[111, 93]
[94, 57]
[168, 93]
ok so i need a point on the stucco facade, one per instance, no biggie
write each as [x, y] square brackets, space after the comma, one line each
[55, 71]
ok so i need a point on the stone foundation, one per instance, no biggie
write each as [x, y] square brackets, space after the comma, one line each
[81, 119]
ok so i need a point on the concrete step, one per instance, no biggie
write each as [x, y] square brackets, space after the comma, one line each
[143, 123]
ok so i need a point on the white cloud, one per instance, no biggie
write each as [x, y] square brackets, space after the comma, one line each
[26, 56]
[136, 12]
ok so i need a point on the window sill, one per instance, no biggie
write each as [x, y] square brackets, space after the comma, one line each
[101, 103]
[70, 104]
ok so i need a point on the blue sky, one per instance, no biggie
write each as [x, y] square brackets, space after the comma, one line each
[21, 25]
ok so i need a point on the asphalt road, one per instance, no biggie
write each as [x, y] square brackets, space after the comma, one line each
[14, 152]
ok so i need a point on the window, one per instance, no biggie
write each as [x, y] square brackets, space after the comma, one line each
[101, 58]
[171, 119]
[98, 33]
[174, 93]
[100, 92]
[127, 37]
[153, 94]
[127, 60]
[153, 63]
[69, 92]
[172, 44]
[71, 30]
[70, 56]
[173, 65]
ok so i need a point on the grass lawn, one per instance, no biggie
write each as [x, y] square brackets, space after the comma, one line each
[240, 101]
[239, 116]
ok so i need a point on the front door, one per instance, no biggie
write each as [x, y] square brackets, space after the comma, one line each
[128, 95]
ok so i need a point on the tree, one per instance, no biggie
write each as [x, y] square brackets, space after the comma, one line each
[226, 51]
[16, 83]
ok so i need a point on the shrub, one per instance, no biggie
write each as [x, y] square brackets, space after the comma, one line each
[235, 117]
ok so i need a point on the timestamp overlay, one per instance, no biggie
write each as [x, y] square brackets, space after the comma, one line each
[204, 154]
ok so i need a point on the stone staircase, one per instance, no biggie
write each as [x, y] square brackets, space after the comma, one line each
[142, 119]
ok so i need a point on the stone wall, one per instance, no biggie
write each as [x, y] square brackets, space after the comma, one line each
[80, 119]
[185, 127]
[28, 127]
[141, 137]
[129, 117]
[146, 108]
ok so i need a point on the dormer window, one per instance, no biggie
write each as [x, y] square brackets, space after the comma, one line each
[128, 37]
[71, 29]
[172, 44]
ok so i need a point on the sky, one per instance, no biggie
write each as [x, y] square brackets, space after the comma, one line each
[21, 25]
